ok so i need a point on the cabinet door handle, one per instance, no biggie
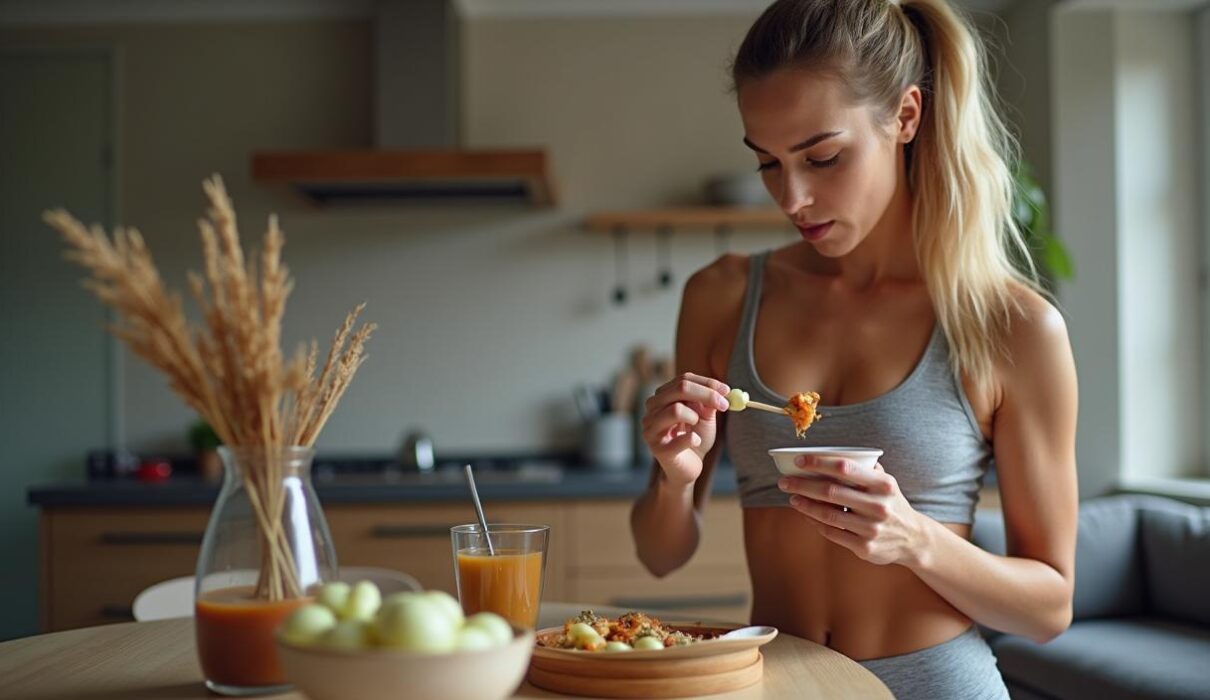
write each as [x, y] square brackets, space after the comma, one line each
[120, 612]
[143, 538]
[393, 532]
[724, 600]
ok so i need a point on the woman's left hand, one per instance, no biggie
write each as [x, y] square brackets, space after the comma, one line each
[879, 525]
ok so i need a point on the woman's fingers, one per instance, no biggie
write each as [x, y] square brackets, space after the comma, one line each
[690, 388]
[684, 441]
[657, 425]
[832, 492]
[833, 516]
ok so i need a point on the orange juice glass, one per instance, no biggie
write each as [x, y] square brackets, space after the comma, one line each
[505, 579]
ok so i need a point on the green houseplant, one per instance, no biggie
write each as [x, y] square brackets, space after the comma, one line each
[1031, 212]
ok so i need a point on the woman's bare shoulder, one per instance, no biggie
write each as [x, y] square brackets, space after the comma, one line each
[1036, 320]
[710, 308]
[717, 286]
[1037, 341]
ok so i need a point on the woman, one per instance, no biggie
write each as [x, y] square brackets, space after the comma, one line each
[872, 126]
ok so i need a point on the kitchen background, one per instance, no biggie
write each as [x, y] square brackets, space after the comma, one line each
[488, 314]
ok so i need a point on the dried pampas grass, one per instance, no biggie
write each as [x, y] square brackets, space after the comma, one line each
[230, 369]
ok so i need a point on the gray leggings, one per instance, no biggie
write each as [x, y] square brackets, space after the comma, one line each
[961, 669]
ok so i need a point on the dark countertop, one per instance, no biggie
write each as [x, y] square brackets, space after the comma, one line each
[443, 485]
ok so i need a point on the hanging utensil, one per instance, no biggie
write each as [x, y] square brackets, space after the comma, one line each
[663, 256]
[619, 265]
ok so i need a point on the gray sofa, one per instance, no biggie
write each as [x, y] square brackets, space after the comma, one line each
[1141, 626]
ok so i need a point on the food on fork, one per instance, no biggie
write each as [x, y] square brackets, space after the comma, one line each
[802, 407]
[634, 630]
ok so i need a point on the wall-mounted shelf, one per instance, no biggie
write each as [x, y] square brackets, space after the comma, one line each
[382, 175]
[705, 218]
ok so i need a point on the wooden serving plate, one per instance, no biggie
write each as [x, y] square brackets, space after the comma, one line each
[669, 687]
[701, 668]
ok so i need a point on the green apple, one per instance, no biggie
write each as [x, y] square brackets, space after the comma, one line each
[308, 623]
[334, 595]
[364, 600]
[347, 634]
[474, 639]
[618, 646]
[496, 627]
[448, 604]
[415, 623]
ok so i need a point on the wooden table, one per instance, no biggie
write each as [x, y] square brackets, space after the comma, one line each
[144, 660]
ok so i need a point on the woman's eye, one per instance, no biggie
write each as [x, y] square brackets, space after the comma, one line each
[824, 163]
[766, 166]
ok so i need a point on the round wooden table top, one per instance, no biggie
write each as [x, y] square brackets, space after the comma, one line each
[143, 660]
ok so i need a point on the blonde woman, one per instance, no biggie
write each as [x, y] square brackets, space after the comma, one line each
[872, 126]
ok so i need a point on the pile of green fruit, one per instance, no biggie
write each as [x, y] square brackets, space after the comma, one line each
[357, 617]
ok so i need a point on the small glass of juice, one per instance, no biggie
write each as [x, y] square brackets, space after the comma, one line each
[505, 579]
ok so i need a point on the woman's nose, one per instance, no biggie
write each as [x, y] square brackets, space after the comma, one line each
[795, 193]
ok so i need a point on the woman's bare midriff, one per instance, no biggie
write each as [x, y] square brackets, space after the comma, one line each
[809, 587]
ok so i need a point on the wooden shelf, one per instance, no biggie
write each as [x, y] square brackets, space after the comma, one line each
[711, 218]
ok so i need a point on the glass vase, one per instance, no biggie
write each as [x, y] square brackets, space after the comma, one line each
[267, 547]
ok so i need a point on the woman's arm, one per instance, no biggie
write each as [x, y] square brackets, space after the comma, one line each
[1029, 591]
[666, 519]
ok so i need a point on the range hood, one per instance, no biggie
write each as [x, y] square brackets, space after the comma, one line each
[417, 152]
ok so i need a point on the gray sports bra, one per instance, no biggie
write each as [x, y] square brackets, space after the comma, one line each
[930, 438]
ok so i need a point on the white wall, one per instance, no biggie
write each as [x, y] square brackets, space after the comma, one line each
[1085, 187]
[1159, 244]
[1124, 100]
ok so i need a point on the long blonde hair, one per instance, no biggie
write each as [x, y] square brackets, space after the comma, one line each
[958, 165]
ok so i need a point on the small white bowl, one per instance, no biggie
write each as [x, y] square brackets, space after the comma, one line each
[391, 674]
[783, 457]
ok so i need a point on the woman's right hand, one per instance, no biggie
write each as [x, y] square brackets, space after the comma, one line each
[680, 424]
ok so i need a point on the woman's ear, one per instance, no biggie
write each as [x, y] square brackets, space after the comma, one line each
[911, 108]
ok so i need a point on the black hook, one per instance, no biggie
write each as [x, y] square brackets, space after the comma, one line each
[663, 254]
[619, 265]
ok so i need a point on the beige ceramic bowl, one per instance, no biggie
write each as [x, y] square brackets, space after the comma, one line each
[390, 674]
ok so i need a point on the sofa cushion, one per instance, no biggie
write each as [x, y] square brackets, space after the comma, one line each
[1176, 556]
[1137, 657]
[1109, 566]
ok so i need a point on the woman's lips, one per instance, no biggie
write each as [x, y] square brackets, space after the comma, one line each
[814, 232]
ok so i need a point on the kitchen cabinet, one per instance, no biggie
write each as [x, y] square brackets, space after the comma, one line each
[96, 559]
[603, 567]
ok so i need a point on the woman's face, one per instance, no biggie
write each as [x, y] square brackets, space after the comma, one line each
[831, 165]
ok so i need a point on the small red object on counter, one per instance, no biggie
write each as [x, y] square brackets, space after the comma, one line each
[154, 470]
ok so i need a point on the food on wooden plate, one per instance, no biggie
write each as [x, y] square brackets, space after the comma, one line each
[357, 617]
[632, 631]
[801, 407]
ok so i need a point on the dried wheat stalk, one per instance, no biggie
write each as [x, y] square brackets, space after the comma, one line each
[230, 369]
